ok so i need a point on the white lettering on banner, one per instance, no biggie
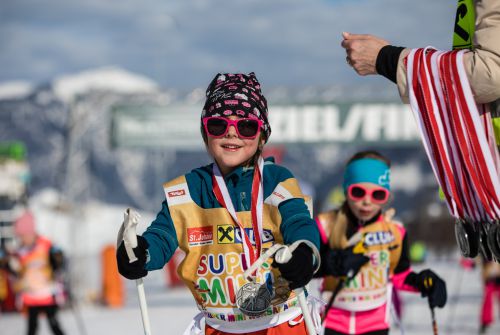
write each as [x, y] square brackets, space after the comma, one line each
[311, 124]
[392, 124]
[371, 128]
[284, 124]
[331, 124]
[359, 122]
[352, 124]
[362, 122]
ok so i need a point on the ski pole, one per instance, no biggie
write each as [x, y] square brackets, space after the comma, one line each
[332, 299]
[130, 241]
[76, 313]
[434, 322]
[399, 321]
[283, 255]
[301, 295]
[454, 300]
[144, 307]
[355, 239]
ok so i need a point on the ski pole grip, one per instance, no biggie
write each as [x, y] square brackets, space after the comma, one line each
[130, 221]
[283, 255]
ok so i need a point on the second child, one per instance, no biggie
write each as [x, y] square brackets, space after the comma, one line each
[364, 252]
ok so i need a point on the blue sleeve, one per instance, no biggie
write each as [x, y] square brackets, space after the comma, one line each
[161, 238]
[296, 222]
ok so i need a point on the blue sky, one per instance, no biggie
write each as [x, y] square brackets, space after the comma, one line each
[183, 43]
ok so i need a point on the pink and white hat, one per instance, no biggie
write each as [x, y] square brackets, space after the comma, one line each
[237, 94]
[25, 225]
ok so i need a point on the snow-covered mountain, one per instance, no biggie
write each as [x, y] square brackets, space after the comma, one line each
[15, 89]
[109, 79]
[63, 121]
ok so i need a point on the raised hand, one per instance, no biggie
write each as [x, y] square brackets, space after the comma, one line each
[362, 51]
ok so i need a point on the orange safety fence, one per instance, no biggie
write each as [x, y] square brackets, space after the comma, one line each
[112, 283]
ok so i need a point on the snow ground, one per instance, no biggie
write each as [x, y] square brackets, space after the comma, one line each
[171, 310]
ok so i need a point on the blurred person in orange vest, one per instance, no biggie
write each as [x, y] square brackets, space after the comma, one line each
[35, 262]
[3, 277]
[491, 280]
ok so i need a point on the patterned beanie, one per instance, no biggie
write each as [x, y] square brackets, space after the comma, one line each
[237, 94]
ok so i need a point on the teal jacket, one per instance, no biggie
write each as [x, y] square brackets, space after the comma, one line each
[296, 222]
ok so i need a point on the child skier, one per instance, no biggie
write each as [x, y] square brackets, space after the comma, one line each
[364, 252]
[36, 262]
[225, 214]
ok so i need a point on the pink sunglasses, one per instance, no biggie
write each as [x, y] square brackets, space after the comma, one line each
[377, 195]
[216, 126]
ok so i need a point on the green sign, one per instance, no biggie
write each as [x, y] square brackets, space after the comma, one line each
[178, 126]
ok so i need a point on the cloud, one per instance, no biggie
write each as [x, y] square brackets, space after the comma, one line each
[183, 43]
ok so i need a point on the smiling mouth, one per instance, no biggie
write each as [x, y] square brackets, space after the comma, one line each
[231, 146]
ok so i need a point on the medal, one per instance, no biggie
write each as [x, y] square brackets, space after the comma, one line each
[484, 248]
[253, 298]
[467, 238]
[493, 240]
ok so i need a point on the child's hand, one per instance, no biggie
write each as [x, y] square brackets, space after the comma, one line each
[430, 285]
[345, 262]
[299, 270]
[135, 269]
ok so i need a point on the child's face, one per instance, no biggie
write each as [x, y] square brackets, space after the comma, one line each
[366, 199]
[231, 151]
[27, 239]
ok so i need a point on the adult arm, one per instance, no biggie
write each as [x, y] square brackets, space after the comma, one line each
[369, 54]
[482, 64]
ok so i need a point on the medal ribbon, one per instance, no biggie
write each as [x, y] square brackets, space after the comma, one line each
[422, 100]
[257, 204]
[484, 156]
[457, 139]
[468, 135]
